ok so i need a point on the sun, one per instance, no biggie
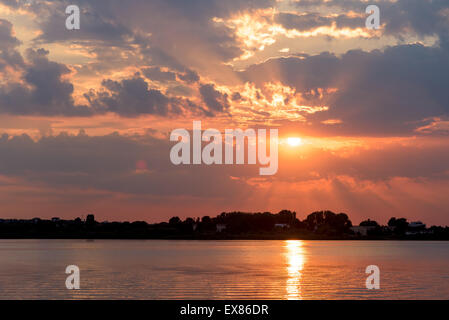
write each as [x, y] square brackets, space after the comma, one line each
[294, 141]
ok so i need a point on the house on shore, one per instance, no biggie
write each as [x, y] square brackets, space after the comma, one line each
[220, 227]
[282, 225]
[362, 230]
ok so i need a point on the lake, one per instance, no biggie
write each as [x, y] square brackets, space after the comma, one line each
[164, 269]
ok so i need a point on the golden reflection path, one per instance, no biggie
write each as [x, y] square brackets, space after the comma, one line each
[295, 262]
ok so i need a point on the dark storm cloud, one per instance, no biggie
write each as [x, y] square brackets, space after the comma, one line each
[214, 99]
[9, 56]
[94, 27]
[51, 17]
[44, 93]
[129, 97]
[164, 31]
[133, 97]
[157, 74]
[43, 90]
[425, 17]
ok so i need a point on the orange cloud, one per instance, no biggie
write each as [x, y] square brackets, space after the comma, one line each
[258, 29]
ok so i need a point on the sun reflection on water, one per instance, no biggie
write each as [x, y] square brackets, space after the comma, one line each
[295, 263]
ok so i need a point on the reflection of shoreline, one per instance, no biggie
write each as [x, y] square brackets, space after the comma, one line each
[295, 263]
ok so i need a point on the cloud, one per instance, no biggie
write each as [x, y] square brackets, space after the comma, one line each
[43, 90]
[10, 58]
[43, 87]
[133, 97]
[390, 92]
[214, 99]
[189, 76]
[110, 163]
[157, 74]
[130, 97]
[379, 180]
[423, 17]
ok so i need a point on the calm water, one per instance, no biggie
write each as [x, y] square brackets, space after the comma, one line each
[117, 269]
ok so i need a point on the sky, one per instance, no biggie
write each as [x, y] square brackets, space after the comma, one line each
[86, 115]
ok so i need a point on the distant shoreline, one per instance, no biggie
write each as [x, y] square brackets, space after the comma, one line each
[230, 238]
[319, 225]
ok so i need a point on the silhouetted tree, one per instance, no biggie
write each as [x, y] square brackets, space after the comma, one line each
[369, 223]
[286, 216]
[399, 225]
[263, 221]
[206, 219]
[174, 220]
[328, 222]
[392, 222]
[375, 231]
[90, 221]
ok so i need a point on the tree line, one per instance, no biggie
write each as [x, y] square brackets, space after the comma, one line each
[227, 225]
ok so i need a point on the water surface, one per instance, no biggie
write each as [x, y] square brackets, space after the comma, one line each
[152, 269]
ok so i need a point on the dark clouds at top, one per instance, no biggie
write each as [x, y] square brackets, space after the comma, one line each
[164, 31]
[389, 92]
[163, 40]
[44, 91]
